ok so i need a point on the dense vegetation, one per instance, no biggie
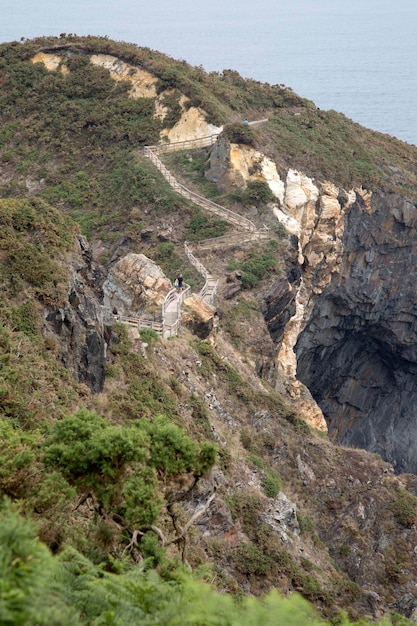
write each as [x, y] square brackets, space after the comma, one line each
[107, 478]
[39, 589]
[76, 131]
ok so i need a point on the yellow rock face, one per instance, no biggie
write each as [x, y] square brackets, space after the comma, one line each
[320, 219]
[143, 83]
[200, 309]
[253, 165]
[51, 61]
[192, 125]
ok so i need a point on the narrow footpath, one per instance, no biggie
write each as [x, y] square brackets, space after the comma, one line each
[170, 322]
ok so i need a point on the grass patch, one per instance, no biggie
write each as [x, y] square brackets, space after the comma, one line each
[258, 263]
[204, 226]
[404, 507]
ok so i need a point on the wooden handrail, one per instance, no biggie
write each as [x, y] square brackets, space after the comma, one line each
[209, 205]
[187, 144]
[209, 289]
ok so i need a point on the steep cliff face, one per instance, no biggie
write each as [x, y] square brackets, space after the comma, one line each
[351, 336]
[344, 312]
[82, 327]
[358, 350]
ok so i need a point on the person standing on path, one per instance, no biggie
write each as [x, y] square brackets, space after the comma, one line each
[180, 282]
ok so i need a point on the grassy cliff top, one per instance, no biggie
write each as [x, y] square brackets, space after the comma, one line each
[75, 134]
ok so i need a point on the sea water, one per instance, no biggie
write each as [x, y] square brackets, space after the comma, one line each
[357, 57]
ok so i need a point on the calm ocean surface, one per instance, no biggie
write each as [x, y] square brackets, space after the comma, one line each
[358, 57]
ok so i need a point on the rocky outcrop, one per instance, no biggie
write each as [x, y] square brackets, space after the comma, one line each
[198, 316]
[135, 285]
[344, 313]
[191, 125]
[82, 328]
[233, 165]
[143, 84]
[52, 62]
[358, 350]
[281, 516]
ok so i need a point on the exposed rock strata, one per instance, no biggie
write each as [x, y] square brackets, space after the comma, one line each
[233, 165]
[135, 285]
[82, 328]
[358, 350]
[297, 207]
[198, 316]
[351, 333]
[344, 314]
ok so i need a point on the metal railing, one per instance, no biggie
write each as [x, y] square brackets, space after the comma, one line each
[158, 321]
[174, 295]
[139, 322]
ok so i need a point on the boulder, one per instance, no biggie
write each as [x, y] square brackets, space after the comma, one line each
[135, 285]
[281, 516]
[199, 317]
[231, 290]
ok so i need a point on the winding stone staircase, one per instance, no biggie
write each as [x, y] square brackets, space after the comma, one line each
[168, 323]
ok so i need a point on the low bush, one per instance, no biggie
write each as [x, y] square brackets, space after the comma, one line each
[203, 226]
[257, 192]
[404, 507]
[258, 263]
[240, 133]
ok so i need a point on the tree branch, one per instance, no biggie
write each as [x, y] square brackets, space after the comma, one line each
[191, 521]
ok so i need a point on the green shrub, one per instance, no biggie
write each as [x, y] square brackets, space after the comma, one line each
[344, 550]
[246, 508]
[252, 561]
[305, 523]
[148, 335]
[92, 453]
[52, 493]
[258, 263]
[151, 549]
[404, 507]
[18, 452]
[24, 318]
[257, 192]
[172, 452]
[166, 256]
[27, 570]
[203, 226]
[141, 501]
[121, 464]
[240, 133]
[271, 484]
[172, 103]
